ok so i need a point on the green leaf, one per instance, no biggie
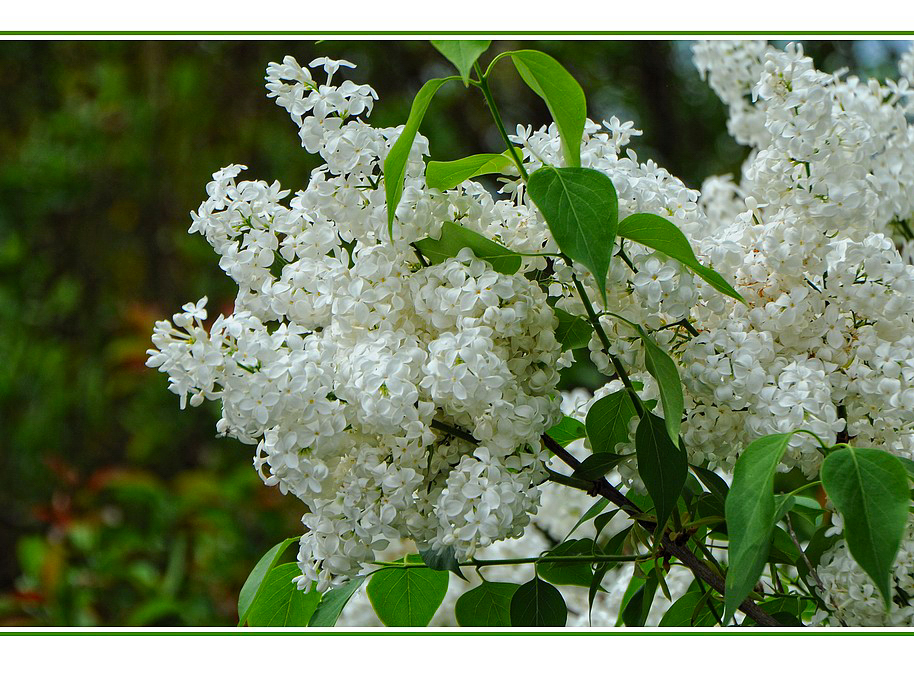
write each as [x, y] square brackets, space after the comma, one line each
[635, 583]
[573, 331]
[567, 430]
[787, 610]
[486, 606]
[635, 612]
[445, 175]
[581, 209]
[660, 234]
[600, 522]
[407, 597]
[455, 237]
[689, 610]
[869, 487]
[442, 559]
[782, 505]
[662, 466]
[395, 163]
[462, 54]
[782, 549]
[590, 514]
[537, 604]
[750, 512]
[817, 546]
[713, 482]
[563, 96]
[579, 574]
[607, 421]
[613, 547]
[662, 367]
[254, 584]
[281, 603]
[598, 465]
[908, 465]
[332, 604]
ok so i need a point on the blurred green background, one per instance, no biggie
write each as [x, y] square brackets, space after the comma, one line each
[116, 508]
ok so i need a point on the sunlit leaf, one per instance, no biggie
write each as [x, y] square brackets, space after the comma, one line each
[333, 602]
[281, 603]
[563, 96]
[407, 597]
[254, 583]
[462, 54]
[445, 175]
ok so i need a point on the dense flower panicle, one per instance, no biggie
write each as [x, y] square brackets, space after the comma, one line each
[853, 599]
[824, 343]
[346, 358]
[343, 349]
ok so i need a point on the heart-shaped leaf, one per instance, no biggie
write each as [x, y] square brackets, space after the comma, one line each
[573, 331]
[607, 421]
[573, 573]
[567, 430]
[407, 597]
[281, 603]
[536, 604]
[486, 606]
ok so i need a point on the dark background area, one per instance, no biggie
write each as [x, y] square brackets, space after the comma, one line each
[116, 508]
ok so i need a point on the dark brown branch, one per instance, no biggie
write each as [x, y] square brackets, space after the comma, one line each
[686, 557]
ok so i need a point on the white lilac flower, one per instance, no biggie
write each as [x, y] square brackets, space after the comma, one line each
[342, 349]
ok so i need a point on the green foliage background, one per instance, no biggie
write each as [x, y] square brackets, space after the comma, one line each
[116, 508]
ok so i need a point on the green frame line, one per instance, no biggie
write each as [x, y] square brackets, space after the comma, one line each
[843, 632]
[456, 33]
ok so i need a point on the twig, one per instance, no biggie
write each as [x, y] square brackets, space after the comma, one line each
[698, 567]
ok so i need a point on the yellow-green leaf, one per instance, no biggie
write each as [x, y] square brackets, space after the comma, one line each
[462, 54]
[563, 96]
